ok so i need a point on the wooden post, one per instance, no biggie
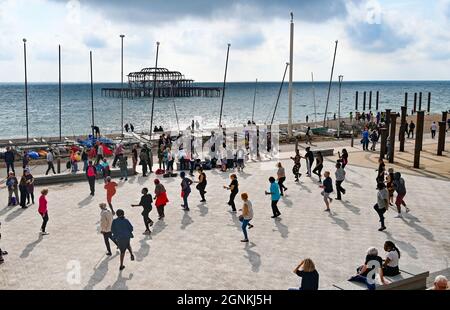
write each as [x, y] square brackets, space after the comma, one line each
[364, 102]
[58, 165]
[429, 103]
[415, 103]
[377, 101]
[370, 100]
[419, 137]
[441, 140]
[403, 126]
[406, 101]
[384, 134]
[393, 122]
[420, 101]
[444, 119]
[356, 101]
[387, 118]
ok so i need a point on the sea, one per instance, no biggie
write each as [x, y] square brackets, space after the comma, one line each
[43, 106]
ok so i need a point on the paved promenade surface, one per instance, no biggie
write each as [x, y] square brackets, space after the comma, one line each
[201, 249]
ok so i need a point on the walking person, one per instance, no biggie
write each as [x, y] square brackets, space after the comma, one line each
[319, 166]
[234, 190]
[380, 171]
[246, 216]
[365, 139]
[412, 126]
[274, 191]
[201, 186]
[309, 160]
[146, 204]
[185, 190]
[100, 153]
[23, 191]
[25, 160]
[123, 165]
[143, 157]
[85, 159]
[400, 188]
[106, 219]
[134, 157]
[327, 187]
[50, 159]
[160, 198]
[43, 210]
[382, 204]
[343, 158]
[9, 160]
[91, 174]
[374, 139]
[340, 177]
[390, 185]
[433, 129]
[308, 135]
[297, 165]
[122, 232]
[111, 188]
[12, 185]
[118, 153]
[30, 187]
[281, 176]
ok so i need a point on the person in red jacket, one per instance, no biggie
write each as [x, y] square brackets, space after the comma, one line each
[160, 198]
[110, 187]
[43, 210]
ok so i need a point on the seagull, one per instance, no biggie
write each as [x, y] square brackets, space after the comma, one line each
[35, 140]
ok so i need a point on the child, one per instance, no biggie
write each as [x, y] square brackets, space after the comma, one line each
[327, 190]
[110, 187]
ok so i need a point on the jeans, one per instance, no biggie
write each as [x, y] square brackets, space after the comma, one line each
[144, 168]
[365, 144]
[318, 170]
[201, 188]
[91, 181]
[74, 167]
[116, 158]
[244, 228]
[339, 189]
[23, 196]
[231, 201]
[50, 167]
[9, 166]
[275, 210]
[160, 210]
[185, 200]
[85, 165]
[282, 187]
[124, 172]
[106, 237]
[380, 214]
[433, 134]
[44, 221]
[308, 167]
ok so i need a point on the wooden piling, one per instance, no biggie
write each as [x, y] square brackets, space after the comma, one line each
[384, 134]
[429, 103]
[415, 103]
[403, 128]
[393, 122]
[356, 101]
[441, 140]
[419, 138]
[444, 119]
[370, 100]
[420, 101]
[377, 101]
[406, 101]
[364, 102]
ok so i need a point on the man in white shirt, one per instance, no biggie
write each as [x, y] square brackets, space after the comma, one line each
[433, 130]
[50, 159]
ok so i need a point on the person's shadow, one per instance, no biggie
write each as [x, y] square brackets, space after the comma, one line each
[237, 223]
[253, 257]
[203, 209]
[30, 247]
[11, 216]
[144, 249]
[99, 273]
[186, 220]
[158, 227]
[350, 206]
[287, 202]
[282, 229]
[121, 282]
[340, 222]
[86, 201]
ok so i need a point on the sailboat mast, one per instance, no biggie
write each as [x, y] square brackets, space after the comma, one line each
[314, 97]
[254, 101]
[329, 86]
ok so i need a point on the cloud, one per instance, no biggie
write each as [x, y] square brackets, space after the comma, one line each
[167, 11]
[248, 40]
[94, 41]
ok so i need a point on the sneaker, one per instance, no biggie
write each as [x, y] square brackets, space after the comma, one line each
[398, 216]
[187, 209]
[132, 257]
[108, 254]
[121, 179]
[381, 228]
[327, 210]
[244, 240]
[407, 210]
[121, 267]
[274, 216]
[43, 233]
[337, 198]
[147, 232]
[151, 223]
[126, 179]
[250, 226]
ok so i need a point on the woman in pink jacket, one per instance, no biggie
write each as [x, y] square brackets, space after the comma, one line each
[43, 210]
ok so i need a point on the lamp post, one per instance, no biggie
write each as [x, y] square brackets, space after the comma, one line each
[121, 82]
[154, 89]
[341, 78]
[26, 85]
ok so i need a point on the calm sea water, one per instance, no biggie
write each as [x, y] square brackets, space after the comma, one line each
[76, 105]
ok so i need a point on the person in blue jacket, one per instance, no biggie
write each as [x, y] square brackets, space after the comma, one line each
[122, 232]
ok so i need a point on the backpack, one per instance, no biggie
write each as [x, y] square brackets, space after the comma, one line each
[68, 165]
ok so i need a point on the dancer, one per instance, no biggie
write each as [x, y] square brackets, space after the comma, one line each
[110, 187]
[382, 204]
[185, 190]
[319, 166]
[201, 186]
[343, 158]
[274, 191]
[234, 190]
[281, 176]
[400, 188]
[50, 159]
[309, 160]
[297, 165]
[30, 187]
[146, 204]
[327, 190]
[246, 216]
[123, 165]
[390, 185]
[43, 211]
[381, 169]
[106, 219]
[340, 177]
[122, 232]
[160, 198]
[91, 173]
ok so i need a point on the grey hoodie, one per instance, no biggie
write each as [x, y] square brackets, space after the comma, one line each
[399, 184]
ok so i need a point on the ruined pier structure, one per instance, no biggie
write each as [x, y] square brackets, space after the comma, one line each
[168, 84]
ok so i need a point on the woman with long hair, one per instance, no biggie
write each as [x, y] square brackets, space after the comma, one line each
[390, 265]
[310, 277]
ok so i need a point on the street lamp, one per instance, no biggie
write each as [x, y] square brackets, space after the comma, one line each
[26, 84]
[341, 77]
[121, 81]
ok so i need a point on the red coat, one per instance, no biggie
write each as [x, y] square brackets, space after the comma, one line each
[161, 199]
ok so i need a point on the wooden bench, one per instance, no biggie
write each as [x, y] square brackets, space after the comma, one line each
[70, 177]
[410, 278]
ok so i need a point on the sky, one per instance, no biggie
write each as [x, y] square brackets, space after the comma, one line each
[378, 39]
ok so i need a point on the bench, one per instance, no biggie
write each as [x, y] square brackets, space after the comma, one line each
[70, 177]
[325, 152]
[410, 278]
